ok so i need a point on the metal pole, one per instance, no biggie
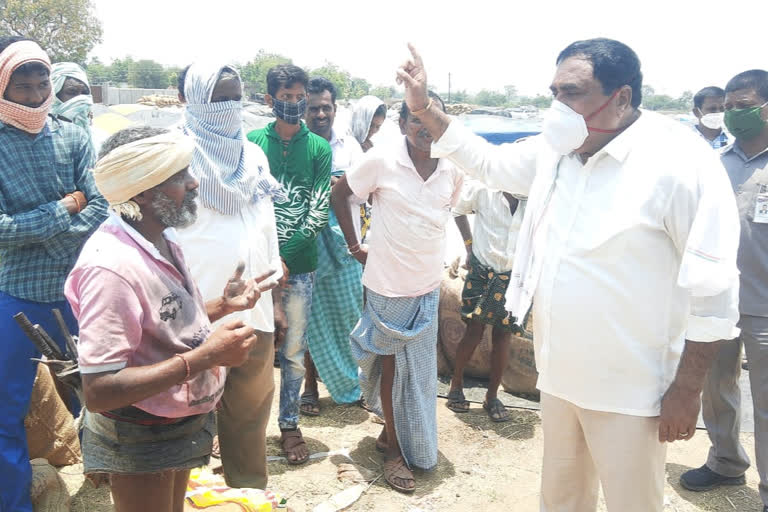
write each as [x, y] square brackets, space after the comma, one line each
[449, 87]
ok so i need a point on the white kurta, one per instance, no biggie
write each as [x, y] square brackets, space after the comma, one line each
[623, 257]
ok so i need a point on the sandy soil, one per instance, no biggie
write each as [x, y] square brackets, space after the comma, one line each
[482, 466]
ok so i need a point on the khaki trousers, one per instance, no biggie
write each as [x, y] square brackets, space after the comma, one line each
[584, 448]
[243, 416]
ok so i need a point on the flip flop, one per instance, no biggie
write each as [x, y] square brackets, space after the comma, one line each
[454, 399]
[312, 400]
[497, 408]
[396, 468]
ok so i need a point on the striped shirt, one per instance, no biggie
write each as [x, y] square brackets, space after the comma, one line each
[39, 239]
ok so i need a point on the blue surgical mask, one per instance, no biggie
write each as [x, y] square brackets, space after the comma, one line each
[289, 112]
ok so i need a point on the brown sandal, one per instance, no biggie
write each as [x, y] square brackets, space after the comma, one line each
[291, 439]
[396, 468]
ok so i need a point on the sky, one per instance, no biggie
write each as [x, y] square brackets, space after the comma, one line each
[483, 44]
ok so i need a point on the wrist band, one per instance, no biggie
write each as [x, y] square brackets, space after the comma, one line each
[186, 366]
[76, 200]
[468, 242]
[419, 112]
[354, 249]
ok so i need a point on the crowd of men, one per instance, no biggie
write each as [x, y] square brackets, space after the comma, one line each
[185, 257]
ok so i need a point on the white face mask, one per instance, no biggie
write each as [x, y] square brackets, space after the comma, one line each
[713, 121]
[563, 128]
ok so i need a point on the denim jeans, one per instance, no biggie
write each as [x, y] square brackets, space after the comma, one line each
[297, 303]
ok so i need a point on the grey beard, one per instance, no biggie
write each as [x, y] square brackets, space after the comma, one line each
[172, 217]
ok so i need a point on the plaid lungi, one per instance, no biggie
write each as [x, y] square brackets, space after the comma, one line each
[337, 302]
[482, 299]
[405, 327]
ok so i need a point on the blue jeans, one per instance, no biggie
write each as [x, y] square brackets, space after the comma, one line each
[297, 303]
[18, 376]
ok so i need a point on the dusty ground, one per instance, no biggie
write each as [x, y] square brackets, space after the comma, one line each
[482, 467]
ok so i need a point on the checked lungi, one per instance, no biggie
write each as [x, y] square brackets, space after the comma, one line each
[337, 302]
[405, 327]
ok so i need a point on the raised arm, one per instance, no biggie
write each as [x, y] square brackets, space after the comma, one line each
[509, 167]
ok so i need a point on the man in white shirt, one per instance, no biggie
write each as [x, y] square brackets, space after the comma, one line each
[337, 296]
[627, 253]
[236, 224]
[490, 252]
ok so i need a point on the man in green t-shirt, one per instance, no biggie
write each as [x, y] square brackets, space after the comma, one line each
[301, 162]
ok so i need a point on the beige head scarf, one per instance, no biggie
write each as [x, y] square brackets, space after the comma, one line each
[133, 168]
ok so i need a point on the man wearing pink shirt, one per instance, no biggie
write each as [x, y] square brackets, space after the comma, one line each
[395, 340]
[152, 366]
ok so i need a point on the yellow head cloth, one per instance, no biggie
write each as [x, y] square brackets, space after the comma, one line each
[133, 168]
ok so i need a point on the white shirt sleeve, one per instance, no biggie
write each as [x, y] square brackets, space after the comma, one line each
[508, 167]
[467, 203]
[703, 221]
[363, 177]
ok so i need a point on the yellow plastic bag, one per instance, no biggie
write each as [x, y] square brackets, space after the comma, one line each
[206, 490]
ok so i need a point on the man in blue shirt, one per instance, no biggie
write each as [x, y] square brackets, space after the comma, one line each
[49, 206]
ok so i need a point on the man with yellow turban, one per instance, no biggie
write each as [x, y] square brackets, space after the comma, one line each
[152, 365]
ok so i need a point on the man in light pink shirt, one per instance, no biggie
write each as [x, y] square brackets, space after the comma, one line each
[396, 338]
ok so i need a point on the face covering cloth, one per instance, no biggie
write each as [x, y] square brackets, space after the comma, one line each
[289, 112]
[28, 119]
[745, 123]
[77, 109]
[224, 162]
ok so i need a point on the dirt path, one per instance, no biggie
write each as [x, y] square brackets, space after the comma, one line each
[482, 467]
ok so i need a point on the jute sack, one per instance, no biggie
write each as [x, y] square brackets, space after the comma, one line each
[48, 491]
[50, 427]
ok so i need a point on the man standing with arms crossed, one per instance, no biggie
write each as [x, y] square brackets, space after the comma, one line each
[49, 206]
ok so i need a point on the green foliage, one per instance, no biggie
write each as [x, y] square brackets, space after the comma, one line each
[145, 73]
[540, 101]
[148, 74]
[490, 98]
[510, 91]
[384, 92]
[461, 96]
[653, 101]
[359, 87]
[254, 72]
[339, 77]
[172, 75]
[66, 29]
